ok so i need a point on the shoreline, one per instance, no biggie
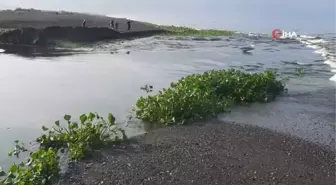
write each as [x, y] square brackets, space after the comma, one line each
[211, 153]
[48, 36]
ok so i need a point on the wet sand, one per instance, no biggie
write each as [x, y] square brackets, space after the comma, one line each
[221, 153]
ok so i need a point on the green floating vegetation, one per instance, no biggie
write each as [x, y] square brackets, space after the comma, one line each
[186, 31]
[299, 71]
[201, 96]
[78, 139]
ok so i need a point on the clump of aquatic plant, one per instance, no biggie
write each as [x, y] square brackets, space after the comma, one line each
[186, 31]
[92, 132]
[43, 167]
[299, 71]
[148, 88]
[200, 96]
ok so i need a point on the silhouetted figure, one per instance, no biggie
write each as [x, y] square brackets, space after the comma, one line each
[84, 23]
[116, 26]
[129, 25]
[112, 24]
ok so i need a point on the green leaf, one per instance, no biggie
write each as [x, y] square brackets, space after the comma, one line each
[111, 119]
[67, 117]
[57, 123]
[74, 125]
[44, 128]
[13, 168]
[91, 116]
[83, 118]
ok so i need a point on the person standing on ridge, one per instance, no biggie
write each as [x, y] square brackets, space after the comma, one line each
[129, 25]
[112, 24]
[84, 23]
[116, 26]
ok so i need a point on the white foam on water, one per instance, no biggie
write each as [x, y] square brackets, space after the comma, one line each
[330, 56]
[319, 48]
[331, 64]
[311, 46]
[306, 37]
[333, 78]
[302, 64]
[2, 50]
[323, 52]
[317, 41]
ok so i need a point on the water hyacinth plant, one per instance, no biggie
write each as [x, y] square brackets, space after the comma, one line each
[199, 96]
[186, 31]
[43, 167]
[299, 71]
[81, 138]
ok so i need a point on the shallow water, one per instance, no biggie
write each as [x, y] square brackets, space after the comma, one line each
[39, 90]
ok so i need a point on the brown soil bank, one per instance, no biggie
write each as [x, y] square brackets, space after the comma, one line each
[36, 27]
[211, 154]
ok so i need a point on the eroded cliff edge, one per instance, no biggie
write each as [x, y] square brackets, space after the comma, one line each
[43, 27]
[47, 36]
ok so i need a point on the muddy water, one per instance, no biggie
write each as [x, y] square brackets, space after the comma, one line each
[39, 90]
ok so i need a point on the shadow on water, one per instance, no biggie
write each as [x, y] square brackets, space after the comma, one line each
[37, 51]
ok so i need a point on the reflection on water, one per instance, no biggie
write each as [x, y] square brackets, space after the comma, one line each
[35, 51]
[41, 90]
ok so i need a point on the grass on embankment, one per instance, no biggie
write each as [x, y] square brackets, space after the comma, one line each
[186, 31]
[192, 98]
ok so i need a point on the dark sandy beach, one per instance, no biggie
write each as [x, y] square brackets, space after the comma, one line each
[222, 153]
[41, 19]
[42, 28]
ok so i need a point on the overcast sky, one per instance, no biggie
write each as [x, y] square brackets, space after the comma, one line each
[308, 16]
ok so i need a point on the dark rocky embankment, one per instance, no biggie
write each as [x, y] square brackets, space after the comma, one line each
[42, 27]
[47, 36]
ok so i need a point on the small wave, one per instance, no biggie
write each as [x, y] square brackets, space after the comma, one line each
[293, 47]
[270, 49]
[296, 63]
[307, 36]
[323, 52]
[289, 62]
[206, 39]
[2, 50]
[331, 64]
[317, 41]
[323, 47]
[318, 61]
[312, 46]
[333, 78]
[304, 64]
